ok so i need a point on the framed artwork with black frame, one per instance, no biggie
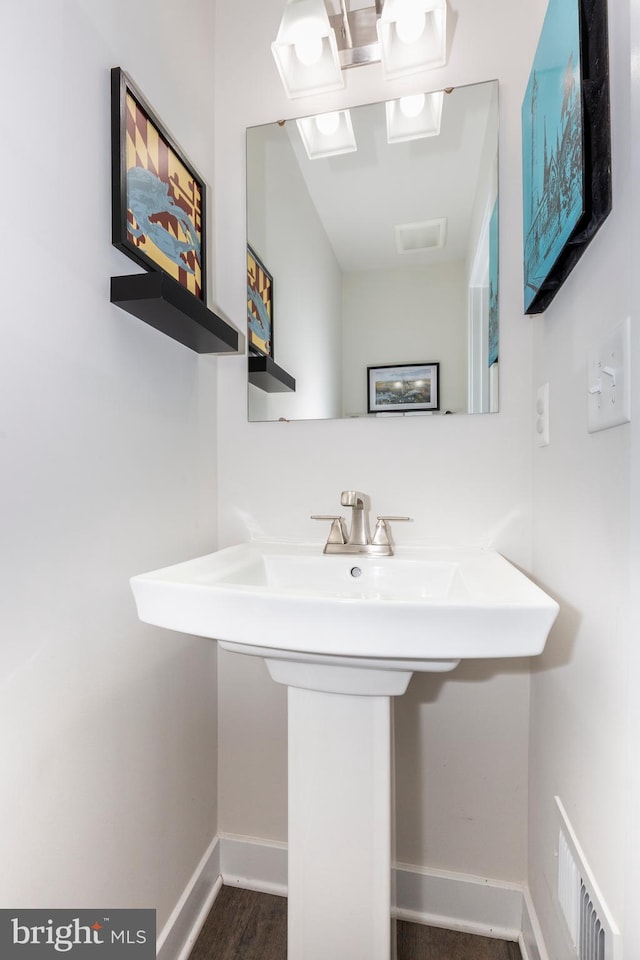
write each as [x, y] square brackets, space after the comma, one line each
[403, 387]
[259, 306]
[566, 146]
[158, 198]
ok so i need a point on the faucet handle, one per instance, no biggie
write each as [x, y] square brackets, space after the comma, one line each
[382, 533]
[338, 532]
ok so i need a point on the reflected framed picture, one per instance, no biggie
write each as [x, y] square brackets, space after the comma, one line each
[404, 387]
[566, 146]
[259, 306]
[158, 198]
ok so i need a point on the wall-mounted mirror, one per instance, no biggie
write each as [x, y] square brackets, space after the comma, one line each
[379, 254]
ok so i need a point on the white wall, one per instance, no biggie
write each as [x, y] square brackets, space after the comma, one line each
[107, 467]
[631, 926]
[405, 315]
[487, 188]
[587, 681]
[461, 478]
[287, 233]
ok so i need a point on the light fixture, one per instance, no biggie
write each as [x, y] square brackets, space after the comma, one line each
[411, 118]
[327, 134]
[312, 48]
[413, 36]
[305, 50]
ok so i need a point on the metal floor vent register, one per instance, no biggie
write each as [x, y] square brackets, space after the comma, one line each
[593, 932]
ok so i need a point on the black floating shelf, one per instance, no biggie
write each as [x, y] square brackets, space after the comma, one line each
[165, 304]
[267, 375]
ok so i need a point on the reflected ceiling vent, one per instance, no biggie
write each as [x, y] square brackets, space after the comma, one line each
[421, 237]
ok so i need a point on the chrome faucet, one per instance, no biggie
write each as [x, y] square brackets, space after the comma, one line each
[359, 533]
[357, 539]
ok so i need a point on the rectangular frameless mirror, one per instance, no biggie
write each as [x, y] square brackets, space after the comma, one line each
[373, 237]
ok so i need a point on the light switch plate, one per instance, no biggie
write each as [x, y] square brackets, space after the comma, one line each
[608, 380]
[542, 416]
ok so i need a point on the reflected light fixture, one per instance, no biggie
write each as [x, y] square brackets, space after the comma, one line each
[327, 134]
[411, 118]
[312, 48]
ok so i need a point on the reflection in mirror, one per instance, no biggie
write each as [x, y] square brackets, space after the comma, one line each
[380, 251]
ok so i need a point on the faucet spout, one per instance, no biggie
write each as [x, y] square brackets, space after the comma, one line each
[359, 533]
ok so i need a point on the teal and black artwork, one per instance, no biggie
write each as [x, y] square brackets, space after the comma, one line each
[552, 145]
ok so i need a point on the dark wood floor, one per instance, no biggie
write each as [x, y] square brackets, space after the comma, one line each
[244, 925]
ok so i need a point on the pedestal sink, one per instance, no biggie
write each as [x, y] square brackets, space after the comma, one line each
[345, 634]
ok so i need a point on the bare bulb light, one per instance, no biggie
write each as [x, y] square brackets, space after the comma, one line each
[328, 123]
[411, 107]
[308, 45]
[410, 25]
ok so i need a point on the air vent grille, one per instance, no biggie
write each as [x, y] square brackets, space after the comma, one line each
[593, 933]
[569, 889]
[592, 938]
[422, 236]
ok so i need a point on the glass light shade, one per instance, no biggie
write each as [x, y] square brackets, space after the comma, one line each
[413, 36]
[418, 117]
[327, 134]
[305, 50]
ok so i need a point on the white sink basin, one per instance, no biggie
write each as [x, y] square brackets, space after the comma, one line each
[345, 634]
[422, 609]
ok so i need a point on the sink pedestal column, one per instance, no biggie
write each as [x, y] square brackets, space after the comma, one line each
[340, 819]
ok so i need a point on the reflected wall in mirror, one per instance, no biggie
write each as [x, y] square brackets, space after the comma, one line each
[383, 255]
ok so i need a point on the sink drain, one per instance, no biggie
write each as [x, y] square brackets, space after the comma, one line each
[355, 572]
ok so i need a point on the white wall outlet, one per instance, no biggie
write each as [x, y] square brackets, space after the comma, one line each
[608, 381]
[542, 416]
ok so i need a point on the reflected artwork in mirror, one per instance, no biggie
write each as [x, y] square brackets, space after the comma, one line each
[380, 228]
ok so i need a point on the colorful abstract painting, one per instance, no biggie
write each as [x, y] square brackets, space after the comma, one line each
[159, 200]
[259, 306]
[552, 145]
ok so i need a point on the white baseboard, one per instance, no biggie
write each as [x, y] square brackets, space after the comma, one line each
[458, 902]
[254, 864]
[181, 930]
[450, 900]
[531, 941]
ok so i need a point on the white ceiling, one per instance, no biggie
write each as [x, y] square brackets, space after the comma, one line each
[361, 196]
